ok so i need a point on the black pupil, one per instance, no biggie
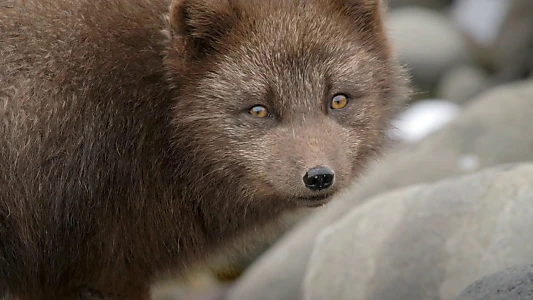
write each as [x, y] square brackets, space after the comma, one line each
[258, 109]
[339, 99]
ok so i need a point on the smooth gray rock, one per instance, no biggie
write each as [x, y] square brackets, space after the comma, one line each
[427, 241]
[513, 49]
[495, 128]
[462, 83]
[502, 31]
[515, 283]
[427, 42]
[481, 20]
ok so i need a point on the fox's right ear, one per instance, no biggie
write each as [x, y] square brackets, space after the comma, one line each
[202, 23]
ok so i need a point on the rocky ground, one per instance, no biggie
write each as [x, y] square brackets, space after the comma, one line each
[447, 213]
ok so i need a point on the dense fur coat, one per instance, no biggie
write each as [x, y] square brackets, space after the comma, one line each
[126, 144]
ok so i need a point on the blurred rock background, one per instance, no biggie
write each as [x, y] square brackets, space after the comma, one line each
[448, 211]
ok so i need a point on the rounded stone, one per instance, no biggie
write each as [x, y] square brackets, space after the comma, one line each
[427, 42]
[462, 83]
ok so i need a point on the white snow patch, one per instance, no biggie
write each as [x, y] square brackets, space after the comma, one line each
[422, 118]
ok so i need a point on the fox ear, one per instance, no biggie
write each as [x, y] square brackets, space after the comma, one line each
[202, 23]
[367, 14]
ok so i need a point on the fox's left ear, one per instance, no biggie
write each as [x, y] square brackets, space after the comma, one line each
[202, 24]
[366, 14]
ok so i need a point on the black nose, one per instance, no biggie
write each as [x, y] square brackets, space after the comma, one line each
[318, 178]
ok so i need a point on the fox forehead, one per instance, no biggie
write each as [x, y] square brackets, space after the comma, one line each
[286, 74]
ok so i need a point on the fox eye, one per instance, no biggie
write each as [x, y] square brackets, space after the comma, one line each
[339, 102]
[259, 111]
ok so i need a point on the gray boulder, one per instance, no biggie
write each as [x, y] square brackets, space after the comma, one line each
[495, 128]
[462, 83]
[513, 49]
[515, 283]
[426, 241]
[427, 42]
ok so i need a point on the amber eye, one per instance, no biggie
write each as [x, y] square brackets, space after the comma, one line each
[259, 111]
[339, 101]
